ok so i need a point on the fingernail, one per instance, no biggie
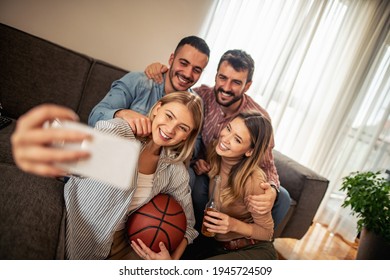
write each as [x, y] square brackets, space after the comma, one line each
[75, 117]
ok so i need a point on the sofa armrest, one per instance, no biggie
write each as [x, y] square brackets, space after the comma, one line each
[306, 188]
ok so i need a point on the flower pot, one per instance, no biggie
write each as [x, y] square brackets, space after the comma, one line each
[372, 247]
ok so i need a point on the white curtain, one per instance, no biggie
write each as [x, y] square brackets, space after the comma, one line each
[322, 73]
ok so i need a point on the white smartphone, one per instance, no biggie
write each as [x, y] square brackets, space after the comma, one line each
[113, 159]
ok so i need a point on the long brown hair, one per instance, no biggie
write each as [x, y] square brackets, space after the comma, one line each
[194, 104]
[260, 130]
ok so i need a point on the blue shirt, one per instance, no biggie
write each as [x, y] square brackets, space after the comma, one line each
[133, 91]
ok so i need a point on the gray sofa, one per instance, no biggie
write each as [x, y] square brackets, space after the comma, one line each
[34, 71]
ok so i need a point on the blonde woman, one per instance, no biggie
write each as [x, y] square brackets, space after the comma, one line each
[96, 212]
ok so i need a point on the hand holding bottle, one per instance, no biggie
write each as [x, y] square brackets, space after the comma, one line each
[216, 222]
[212, 205]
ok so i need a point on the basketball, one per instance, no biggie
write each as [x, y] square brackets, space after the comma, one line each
[161, 219]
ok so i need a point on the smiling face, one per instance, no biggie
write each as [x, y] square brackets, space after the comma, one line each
[234, 140]
[172, 124]
[185, 69]
[230, 84]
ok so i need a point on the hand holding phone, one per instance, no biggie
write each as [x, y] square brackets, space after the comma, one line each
[113, 159]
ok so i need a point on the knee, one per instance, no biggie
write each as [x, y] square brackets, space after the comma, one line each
[200, 189]
[281, 206]
[284, 199]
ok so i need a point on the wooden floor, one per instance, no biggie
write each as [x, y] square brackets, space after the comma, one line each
[317, 244]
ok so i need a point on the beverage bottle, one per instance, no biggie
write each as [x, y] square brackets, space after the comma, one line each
[212, 205]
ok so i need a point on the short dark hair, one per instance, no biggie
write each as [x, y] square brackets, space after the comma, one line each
[240, 61]
[196, 42]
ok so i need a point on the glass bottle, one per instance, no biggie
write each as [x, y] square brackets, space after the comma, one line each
[212, 205]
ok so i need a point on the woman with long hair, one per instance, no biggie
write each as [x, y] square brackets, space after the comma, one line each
[96, 212]
[235, 157]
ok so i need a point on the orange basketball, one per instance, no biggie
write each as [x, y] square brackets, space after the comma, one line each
[161, 219]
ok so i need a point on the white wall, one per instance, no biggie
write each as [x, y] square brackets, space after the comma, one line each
[127, 33]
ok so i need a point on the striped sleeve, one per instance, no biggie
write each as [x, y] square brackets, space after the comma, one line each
[180, 190]
[94, 208]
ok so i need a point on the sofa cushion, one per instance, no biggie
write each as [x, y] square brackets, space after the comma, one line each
[5, 143]
[31, 213]
[34, 71]
[99, 83]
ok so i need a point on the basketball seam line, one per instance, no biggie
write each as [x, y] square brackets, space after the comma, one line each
[161, 221]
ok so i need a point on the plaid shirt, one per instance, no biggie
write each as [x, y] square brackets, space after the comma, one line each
[215, 120]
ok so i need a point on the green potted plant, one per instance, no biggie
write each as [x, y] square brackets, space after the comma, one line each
[368, 195]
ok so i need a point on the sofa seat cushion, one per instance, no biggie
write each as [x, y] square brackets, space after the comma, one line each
[31, 215]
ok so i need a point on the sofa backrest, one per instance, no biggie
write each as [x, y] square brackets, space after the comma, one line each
[34, 71]
[99, 82]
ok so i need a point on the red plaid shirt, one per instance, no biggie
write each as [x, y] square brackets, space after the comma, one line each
[215, 120]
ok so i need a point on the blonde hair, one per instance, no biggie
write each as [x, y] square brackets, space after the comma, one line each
[260, 130]
[194, 103]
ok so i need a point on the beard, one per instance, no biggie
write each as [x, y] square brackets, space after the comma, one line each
[172, 74]
[226, 103]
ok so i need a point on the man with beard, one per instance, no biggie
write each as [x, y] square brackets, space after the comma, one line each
[132, 96]
[222, 103]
